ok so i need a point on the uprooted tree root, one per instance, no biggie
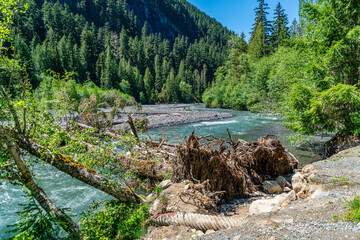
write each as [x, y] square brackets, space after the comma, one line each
[235, 170]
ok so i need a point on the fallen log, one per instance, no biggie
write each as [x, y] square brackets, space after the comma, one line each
[144, 168]
[76, 170]
[25, 177]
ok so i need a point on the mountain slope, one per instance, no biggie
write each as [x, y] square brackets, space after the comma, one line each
[155, 50]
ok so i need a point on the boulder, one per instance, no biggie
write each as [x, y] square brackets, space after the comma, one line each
[282, 182]
[272, 187]
[299, 183]
[272, 205]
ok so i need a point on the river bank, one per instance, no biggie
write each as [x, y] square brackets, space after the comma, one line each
[166, 115]
[330, 184]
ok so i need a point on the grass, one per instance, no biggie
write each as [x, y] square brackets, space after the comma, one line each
[315, 180]
[340, 180]
[353, 214]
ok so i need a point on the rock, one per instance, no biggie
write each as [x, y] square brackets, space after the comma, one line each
[282, 182]
[262, 206]
[321, 194]
[150, 196]
[199, 233]
[299, 183]
[210, 231]
[272, 187]
[272, 205]
[287, 199]
[308, 169]
[164, 184]
[286, 189]
[303, 195]
[238, 237]
[156, 207]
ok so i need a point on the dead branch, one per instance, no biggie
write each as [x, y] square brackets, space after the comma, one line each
[133, 128]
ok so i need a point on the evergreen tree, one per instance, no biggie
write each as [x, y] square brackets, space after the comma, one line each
[149, 84]
[158, 75]
[259, 40]
[258, 45]
[172, 87]
[279, 30]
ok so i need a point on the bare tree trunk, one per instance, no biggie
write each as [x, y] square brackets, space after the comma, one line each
[76, 170]
[25, 177]
[133, 128]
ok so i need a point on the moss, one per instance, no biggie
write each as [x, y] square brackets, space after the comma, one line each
[74, 164]
[65, 158]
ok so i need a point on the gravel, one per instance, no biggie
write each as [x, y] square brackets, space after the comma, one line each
[337, 179]
[166, 115]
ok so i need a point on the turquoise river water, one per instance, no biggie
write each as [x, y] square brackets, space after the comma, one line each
[67, 192]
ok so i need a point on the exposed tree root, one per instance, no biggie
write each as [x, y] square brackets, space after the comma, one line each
[338, 143]
[236, 170]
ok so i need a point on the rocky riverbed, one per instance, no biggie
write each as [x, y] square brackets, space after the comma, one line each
[310, 210]
[165, 115]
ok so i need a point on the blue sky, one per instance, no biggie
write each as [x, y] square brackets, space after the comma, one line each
[238, 15]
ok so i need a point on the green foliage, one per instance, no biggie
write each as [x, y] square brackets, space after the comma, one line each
[35, 223]
[62, 92]
[116, 221]
[115, 45]
[312, 78]
[335, 109]
[297, 140]
[353, 215]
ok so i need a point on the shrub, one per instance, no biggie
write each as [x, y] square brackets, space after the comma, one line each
[116, 221]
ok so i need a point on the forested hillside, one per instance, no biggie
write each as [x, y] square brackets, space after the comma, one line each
[154, 50]
[308, 72]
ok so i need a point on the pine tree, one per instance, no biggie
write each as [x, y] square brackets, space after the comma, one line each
[279, 30]
[259, 40]
[148, 83]
[172, 87]
[158, 75]
[257, 47]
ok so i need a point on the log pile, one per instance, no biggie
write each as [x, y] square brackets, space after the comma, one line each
[236, 170]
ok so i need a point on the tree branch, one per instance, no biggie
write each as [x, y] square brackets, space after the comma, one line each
[26, 178]
[12, 110]
[9, 178]
[76, 170]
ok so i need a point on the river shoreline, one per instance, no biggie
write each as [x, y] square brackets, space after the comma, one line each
[166, 115]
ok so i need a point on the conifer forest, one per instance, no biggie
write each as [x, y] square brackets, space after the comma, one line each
[84, 82]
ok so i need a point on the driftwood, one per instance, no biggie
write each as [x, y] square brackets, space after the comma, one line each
[237, 170]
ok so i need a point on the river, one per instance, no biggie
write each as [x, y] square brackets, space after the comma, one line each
[67, 192]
